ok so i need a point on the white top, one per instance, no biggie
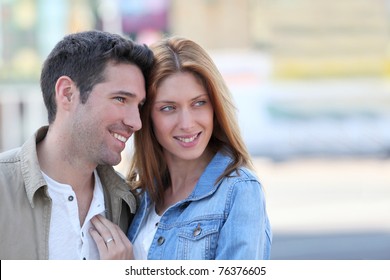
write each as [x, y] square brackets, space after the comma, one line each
[67, 240]
[146, 234]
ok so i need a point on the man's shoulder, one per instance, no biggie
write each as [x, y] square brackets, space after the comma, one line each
[9, 167]
[10, 156]
[27, 150]
[110, 177]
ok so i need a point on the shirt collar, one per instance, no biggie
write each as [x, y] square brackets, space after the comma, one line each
[30, 169]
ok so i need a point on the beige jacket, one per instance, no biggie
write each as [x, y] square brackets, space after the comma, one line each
[25, 206]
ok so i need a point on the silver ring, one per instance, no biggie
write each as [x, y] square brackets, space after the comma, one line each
[109, 240]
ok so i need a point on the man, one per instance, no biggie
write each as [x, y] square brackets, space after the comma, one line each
[57, 190]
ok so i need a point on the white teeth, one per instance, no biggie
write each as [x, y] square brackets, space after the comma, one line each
[120, 137]
[187, 140]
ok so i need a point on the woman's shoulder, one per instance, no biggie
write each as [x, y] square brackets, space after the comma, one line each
[241, 180]
[243, 173]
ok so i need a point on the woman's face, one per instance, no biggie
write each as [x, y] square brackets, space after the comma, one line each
[182, 117]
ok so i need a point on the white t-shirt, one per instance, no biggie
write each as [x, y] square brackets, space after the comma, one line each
[67, 240]
[146, 234]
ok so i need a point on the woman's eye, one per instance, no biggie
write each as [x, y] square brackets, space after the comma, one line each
[167, 108]
[200, 103]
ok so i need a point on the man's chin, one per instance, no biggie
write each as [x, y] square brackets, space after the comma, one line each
[113, 161]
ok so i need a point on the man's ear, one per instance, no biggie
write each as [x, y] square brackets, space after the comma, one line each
[65, 92]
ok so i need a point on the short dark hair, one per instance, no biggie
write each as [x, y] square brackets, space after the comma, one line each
[83, 57]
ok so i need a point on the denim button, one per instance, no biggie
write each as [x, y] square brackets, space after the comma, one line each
[160, 240]
[70, 198]
[198, 230]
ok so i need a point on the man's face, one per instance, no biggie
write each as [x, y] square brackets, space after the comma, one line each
[106, 121]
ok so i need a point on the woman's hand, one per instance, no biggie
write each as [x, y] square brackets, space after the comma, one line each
[112, 243]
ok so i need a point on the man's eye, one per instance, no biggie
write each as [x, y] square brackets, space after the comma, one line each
[120, 99]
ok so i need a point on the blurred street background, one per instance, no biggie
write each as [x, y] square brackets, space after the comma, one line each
[311, 82]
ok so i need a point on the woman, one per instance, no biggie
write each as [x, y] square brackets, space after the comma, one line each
[199, 196]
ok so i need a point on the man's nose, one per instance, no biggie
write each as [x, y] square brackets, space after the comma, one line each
[133, 119]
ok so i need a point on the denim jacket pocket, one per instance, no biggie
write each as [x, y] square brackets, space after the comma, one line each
[198, 240]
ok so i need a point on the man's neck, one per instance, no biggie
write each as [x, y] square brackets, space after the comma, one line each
[56, 162]
[65, 168]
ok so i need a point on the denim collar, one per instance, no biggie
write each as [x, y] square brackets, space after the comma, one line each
[207, 183]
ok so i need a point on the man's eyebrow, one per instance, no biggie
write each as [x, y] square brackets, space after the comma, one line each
[126, 93]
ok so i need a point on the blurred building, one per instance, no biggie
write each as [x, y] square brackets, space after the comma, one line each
[329, 38]
[306, 38]
[28, 31]
[215, 24]
[311, 74]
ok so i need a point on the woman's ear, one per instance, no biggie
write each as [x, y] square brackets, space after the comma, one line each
[65, 92]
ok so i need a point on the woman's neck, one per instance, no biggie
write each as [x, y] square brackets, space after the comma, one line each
[184, 177]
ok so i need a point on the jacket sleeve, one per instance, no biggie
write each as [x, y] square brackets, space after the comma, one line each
[246, 233]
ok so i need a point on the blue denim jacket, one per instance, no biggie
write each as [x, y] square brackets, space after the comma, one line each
[223, 221]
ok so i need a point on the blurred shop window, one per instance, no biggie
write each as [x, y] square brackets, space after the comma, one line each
[144, 20]
[18, 41]
[30, 29]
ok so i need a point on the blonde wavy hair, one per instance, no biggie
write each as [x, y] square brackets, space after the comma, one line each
[148, 169]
